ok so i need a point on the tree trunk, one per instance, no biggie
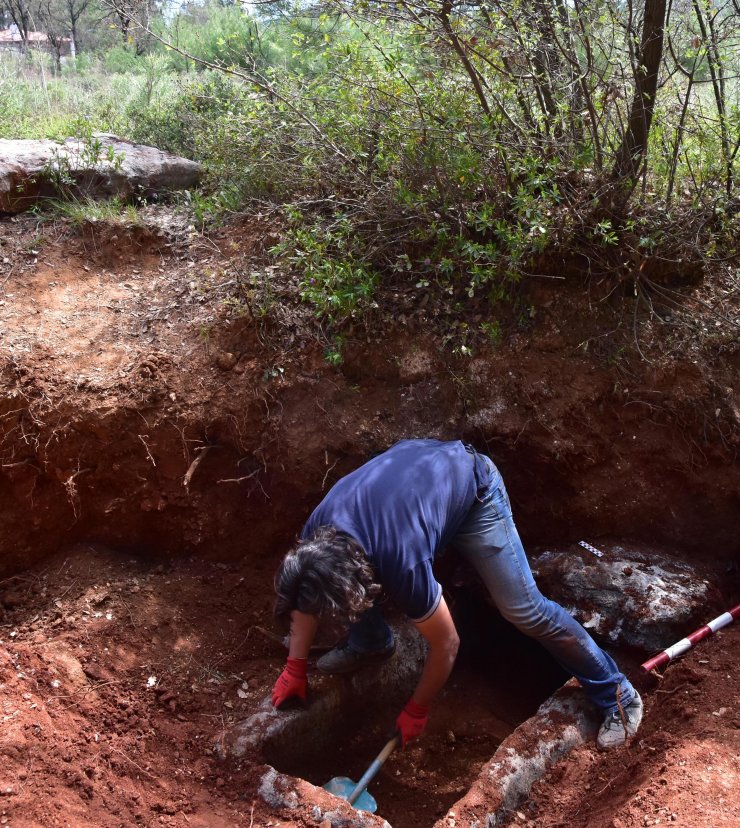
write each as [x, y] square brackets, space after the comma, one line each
[630, 156]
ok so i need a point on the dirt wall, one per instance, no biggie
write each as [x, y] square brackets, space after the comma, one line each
[252, 460]
[146, 404]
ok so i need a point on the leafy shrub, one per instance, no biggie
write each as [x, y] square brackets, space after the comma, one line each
[122, 60]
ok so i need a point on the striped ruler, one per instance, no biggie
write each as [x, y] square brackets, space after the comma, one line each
[591, 549]
[687, 643]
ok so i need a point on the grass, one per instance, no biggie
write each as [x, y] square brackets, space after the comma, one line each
[36, 104]
[113, 211]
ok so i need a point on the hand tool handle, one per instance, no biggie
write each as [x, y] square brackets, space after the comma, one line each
[680, 647]
[375, 766]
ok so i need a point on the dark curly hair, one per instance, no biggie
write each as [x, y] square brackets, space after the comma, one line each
[326, 574]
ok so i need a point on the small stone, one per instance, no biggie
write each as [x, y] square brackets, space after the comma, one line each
[226, 361]
[220, 782]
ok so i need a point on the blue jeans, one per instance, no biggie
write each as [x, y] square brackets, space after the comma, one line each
[490, 542]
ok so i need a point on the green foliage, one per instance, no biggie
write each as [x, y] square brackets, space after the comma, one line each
[230, 36]
[122, 60]
[606, 233]
[34, 105]
[334, 277]
[224, 35]
[397, 163]
[159, 112]
[113, 211]
[333, 352]
[209, 208]
[492, 331]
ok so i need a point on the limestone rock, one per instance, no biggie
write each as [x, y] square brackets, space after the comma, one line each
[415, 365]
[632, 596]
[278, 731]
[104, 167]
[564, 722]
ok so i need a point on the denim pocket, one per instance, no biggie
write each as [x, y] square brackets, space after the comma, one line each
[498, 499]
[486, 493]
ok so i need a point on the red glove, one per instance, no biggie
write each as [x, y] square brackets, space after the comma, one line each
[412, 721]
[292, 682]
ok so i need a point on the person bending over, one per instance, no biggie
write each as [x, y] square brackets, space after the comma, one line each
[376, 534]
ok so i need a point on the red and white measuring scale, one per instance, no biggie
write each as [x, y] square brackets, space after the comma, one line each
[687, 643]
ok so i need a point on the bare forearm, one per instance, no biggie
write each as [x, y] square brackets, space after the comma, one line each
[302, 631]
[437, 669]
[441, 636]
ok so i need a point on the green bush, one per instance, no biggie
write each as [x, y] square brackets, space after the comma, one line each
[122, 60]
[396, 161]
[231, 36]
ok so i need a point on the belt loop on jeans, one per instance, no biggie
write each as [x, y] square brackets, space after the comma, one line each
[478, 458]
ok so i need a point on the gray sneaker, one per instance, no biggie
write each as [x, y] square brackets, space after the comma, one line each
[616, 729]
[343, 659]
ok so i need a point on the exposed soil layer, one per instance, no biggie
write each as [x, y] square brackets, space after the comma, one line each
[116, 674]
[165, 389]
[166, 393]
[683, 767]
[119, 673]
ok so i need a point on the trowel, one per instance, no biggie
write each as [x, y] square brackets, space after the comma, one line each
[356, 793]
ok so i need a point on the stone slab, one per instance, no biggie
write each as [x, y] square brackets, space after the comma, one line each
[104, 167]
[631, 595]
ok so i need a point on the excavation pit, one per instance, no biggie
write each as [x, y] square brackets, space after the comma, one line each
[122, 422]
[499, 681]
